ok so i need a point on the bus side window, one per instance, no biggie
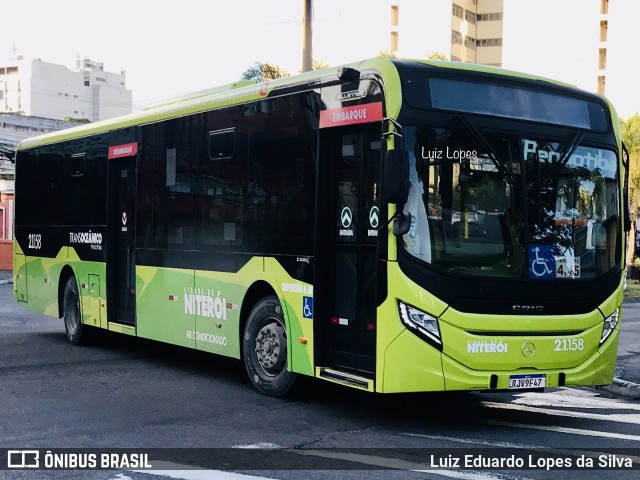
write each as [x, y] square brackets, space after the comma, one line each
[281, 179]
[221, 143]
[221, 183]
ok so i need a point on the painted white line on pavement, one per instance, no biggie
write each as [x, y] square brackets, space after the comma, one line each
[462, 475]
[631, 418]
[187, 472]
[572, 431]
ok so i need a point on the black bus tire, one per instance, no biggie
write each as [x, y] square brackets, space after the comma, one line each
[264, 348]
[76, 330]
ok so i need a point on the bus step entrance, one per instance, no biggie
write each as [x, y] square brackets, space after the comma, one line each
[345, 378]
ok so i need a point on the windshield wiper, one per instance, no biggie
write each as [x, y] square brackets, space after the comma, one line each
[569, 149]
[495, 158]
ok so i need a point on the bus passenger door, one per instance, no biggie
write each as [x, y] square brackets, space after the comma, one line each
[348, 215]
[121, 273]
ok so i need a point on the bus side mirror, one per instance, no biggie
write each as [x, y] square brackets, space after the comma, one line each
[396, 177]
[401, 224]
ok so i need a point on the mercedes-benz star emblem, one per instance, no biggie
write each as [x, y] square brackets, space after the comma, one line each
[528, 349]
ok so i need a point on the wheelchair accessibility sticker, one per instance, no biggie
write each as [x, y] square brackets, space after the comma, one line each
[307, 307]
[544, 264]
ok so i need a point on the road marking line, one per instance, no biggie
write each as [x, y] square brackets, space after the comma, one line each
[593, 454]
[631, 418]
[572, 431]
[397, 464]
[473, 441]
[573, 398]
[472, 476]
[189, 472]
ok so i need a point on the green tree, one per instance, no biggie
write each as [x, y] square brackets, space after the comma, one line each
[262, 72]
[631, 138]
[431, 56]
[631, 133]
[437, 56]
[387, 54]
[319, 65]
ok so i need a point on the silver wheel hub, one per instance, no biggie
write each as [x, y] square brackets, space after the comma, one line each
[271, 348]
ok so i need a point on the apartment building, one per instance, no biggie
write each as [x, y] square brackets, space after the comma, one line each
[42, 89]
[603, 38]
[582, 42]
[476, 31]
[461, 30]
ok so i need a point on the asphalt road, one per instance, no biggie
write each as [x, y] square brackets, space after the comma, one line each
[123, 392]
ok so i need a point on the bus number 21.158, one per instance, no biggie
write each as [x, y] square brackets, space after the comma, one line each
[569, 345]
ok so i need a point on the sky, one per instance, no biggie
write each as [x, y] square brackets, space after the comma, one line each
[170, 48]
[560, 39]
[166, 48]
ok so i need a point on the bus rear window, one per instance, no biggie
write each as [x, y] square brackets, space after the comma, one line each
[507, 101]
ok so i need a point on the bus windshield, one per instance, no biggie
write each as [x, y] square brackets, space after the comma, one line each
[511, 205]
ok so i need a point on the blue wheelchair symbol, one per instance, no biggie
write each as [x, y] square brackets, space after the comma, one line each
[542, 263]
[307, 307]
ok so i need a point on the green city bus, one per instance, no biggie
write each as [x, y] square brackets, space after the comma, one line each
[388, 225]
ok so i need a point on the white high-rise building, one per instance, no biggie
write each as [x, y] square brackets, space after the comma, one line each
[42, 89]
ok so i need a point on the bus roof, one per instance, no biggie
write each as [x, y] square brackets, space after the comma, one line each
[247, 91]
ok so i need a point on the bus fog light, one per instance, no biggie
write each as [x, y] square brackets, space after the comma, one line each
[421, 323]
[609, 325]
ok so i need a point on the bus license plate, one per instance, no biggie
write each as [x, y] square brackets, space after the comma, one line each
[518, 382]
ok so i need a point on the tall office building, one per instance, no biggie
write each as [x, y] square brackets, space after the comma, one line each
[42, 89]
[581, 42]
[473, 34]
[603, 38]
[476, 31]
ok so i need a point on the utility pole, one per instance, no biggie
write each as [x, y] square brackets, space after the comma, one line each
[307, 34]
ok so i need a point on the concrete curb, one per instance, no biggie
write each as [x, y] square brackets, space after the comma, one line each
[623, 388]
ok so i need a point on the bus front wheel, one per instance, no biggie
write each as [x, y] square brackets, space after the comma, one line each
[76, 331]
[264, 349]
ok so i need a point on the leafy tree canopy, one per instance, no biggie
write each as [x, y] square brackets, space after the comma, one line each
[431, 56]
[437, 56]
[631, 133]
[631, 138]
[319, 65]
[262, 72]
[387, 54]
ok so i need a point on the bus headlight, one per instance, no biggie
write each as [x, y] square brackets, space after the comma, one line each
[421, 323]
[609, 324]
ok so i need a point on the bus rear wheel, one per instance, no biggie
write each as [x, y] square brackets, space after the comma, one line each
[264, 349]
[76, 330]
